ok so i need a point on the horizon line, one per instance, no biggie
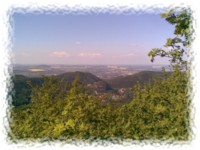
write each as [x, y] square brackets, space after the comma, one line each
[91, 64]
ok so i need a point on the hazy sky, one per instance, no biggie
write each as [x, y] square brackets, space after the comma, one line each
[88, 38]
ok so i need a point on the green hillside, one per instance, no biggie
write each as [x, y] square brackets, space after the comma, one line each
[22, 90]
[157, 111]
[131, 80]
[84, 77]
[91, 81]
[93, 84]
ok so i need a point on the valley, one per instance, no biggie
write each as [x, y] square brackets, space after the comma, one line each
[112, 84]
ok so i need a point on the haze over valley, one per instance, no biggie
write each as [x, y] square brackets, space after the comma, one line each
[101, 71]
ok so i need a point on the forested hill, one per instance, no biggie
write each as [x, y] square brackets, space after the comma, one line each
[91, 81]
[84, 77]
[130, 80]
[94, 84]
[22, 90]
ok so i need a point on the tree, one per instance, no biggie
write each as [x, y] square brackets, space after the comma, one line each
[176, 48]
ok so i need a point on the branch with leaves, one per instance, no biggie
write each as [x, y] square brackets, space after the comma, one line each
[176, 48]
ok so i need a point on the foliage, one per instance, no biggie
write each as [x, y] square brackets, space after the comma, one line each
[158, 110]
[22, 90]
[176, 48]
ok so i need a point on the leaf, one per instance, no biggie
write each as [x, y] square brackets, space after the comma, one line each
[64, 112]
[166, 14]
[70, 123]
[169, 42]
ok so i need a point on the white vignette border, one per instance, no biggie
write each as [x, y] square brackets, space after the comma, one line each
[7, 55]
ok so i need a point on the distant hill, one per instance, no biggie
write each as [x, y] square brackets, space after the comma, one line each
[94, 85]
[23, 90]
[131, 80]
[92, 82]
[84, 77]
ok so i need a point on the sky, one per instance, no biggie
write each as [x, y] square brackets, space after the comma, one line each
[88, 38]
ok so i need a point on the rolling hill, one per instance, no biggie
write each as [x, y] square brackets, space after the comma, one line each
[22, 90]
[93, 84]
[130, 80]
[84, 77]
[91, 81]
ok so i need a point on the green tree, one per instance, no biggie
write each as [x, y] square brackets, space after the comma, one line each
[158, 111]
[176, 48]
[38, 117]
[57, 111]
